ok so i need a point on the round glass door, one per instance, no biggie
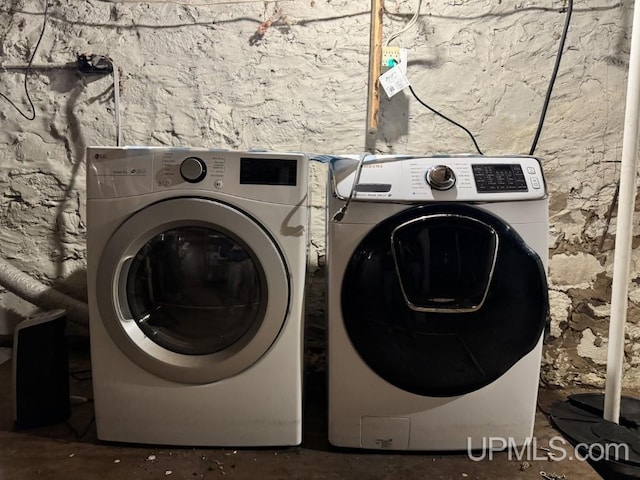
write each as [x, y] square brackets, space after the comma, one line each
[195, 290]
[441, 300]
[192, 290]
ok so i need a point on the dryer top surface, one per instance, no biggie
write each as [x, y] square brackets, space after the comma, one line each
[272, 177]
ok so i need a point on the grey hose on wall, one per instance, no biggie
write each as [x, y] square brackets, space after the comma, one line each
[34, 292]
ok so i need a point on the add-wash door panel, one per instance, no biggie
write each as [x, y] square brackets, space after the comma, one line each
[441, 300]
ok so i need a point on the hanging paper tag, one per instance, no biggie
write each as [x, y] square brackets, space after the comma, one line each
[394, 81]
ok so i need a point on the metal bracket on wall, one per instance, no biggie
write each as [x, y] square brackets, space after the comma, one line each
[94, 64]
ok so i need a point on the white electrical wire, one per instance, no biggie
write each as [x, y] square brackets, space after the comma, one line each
[204, 4]
[409, 24]
[38, 66]
[116, 102]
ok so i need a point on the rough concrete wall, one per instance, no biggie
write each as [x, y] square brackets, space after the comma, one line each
[292, 76]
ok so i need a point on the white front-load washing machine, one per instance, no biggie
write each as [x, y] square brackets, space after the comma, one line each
[196, 274]
[437, 300]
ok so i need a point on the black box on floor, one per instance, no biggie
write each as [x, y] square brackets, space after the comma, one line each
[41, 371]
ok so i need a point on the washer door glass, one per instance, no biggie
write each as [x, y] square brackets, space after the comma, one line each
[192, 290]
[441, 300]
[444, 262]
[195, 290]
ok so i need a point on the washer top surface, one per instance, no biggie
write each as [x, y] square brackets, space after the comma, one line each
[271, 177]
[409, 179]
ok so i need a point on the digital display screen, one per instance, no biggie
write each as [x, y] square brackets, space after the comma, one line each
[268, 171]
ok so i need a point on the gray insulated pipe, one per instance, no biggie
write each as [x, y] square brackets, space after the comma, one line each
[31, 290]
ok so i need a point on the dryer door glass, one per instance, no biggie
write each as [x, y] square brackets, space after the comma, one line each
[195, 290]
[441, 300]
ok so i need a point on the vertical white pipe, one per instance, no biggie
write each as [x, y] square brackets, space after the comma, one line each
[624, 230]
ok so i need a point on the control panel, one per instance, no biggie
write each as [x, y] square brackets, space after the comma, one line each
[445, 178]
[264, 176]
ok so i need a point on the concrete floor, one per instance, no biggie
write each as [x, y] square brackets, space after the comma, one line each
[71, 451]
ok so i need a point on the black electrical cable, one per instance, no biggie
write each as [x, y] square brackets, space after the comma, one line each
[32, 116]
[552, 81]
[547, 99]
[447, 119]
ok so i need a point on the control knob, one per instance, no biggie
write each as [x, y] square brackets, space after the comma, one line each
[441, 177]
[193, 169]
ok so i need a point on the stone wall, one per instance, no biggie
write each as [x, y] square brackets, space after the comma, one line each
[292, 75]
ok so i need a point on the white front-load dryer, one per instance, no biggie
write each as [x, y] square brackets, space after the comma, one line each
[196, 273]
[437, 301]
